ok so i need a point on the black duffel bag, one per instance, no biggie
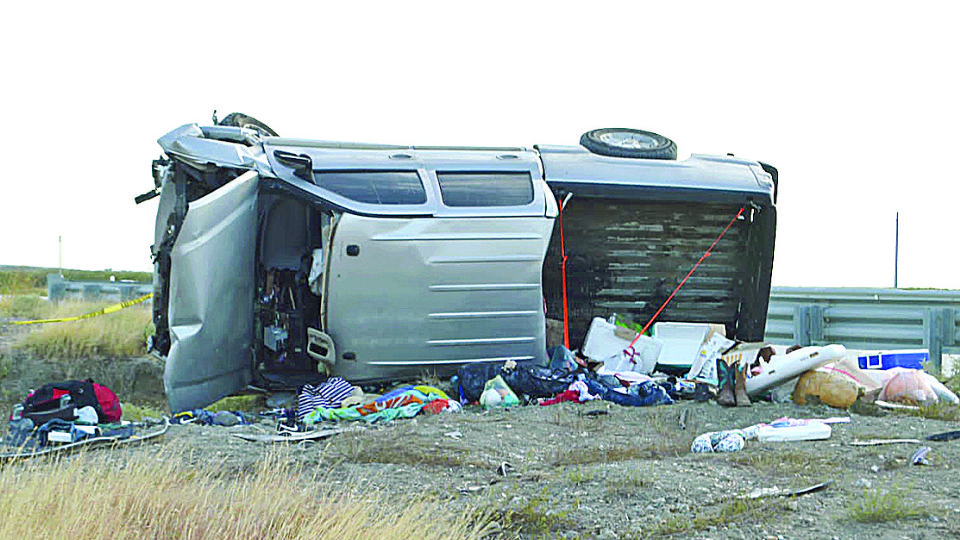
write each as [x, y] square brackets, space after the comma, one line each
[60, 400]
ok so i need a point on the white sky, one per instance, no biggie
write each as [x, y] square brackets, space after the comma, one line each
[858, 105]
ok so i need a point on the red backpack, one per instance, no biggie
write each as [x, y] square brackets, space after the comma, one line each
[109, 403]
[62, 399]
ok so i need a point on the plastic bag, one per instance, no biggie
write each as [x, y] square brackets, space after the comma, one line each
[496, 393]
[524, 378]
[908, 385]
[719, 441]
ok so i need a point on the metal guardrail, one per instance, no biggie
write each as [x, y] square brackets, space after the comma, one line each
[866, 319]
[112, 291]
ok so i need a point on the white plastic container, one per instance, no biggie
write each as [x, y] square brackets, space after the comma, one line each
[681, 342]
[794, 430]
[605, 345]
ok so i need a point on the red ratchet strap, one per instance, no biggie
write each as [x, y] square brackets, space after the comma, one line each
[563, 273]
[690, 273]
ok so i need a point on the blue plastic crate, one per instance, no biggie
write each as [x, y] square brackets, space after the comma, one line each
[912, 359]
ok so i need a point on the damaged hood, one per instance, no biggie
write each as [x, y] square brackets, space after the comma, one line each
[221, 146]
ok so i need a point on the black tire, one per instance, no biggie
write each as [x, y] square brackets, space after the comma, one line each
[629, 143]
[243, 121]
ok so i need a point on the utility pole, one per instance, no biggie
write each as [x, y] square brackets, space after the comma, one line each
[896, 250]
[60, 254]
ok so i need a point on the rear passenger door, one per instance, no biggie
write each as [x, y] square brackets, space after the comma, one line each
[428, 294]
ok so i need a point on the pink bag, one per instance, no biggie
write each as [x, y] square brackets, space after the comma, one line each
[908, 385]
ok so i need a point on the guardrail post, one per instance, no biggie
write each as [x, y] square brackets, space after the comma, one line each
[938, 331]
[807, 325]
[91, 292]
[56, 288]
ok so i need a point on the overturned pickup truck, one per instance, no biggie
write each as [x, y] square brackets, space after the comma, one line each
[279, 261]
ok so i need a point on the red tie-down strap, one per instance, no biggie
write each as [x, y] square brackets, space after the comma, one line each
[706, 254]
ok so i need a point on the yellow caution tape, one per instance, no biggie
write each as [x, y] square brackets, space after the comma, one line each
[105, 311]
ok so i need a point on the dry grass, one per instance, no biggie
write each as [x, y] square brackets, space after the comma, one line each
[90, 497]
[936, 411]
[629, 483]
[136, 413]
[115, 335]
[878, 506]
[953, 383]
[18, 282]
[530, 517]
[24, 306]
[247, 403]
[722, 514]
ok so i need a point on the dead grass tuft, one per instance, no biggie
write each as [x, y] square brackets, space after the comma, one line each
[531, 517]
[18, 282]
[953, 383]
[628, 484]
[149, 497]
[121, 334]
[878, 506]
[724, 514]
[938, 411]
[136, 413]
[23, 306]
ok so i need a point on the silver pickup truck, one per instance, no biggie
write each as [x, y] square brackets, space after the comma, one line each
[281, 261]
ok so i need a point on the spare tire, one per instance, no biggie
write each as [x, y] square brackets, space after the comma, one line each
[629, 143]
[244, 121]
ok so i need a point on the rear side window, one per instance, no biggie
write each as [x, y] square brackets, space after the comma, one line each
[485, 188]
[374, 187]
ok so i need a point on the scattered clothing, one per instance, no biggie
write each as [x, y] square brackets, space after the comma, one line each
[18, 431]
[403, 402]
[637, 395]
[569, 395]
[87, 415]
[578, 392]
[329, 394]
[438, 406]
[43, 432]
[583, 391]
[198, 416]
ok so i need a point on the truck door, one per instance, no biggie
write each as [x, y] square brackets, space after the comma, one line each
[211, 296]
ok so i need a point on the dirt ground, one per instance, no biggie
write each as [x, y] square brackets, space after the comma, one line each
[599, 470]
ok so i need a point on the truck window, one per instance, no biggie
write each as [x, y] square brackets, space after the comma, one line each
[485, 188]
[374, 187]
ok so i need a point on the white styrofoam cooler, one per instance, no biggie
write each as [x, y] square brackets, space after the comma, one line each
[681, 342]
[602, 344]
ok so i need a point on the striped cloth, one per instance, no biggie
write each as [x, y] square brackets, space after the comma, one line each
[328, 394]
